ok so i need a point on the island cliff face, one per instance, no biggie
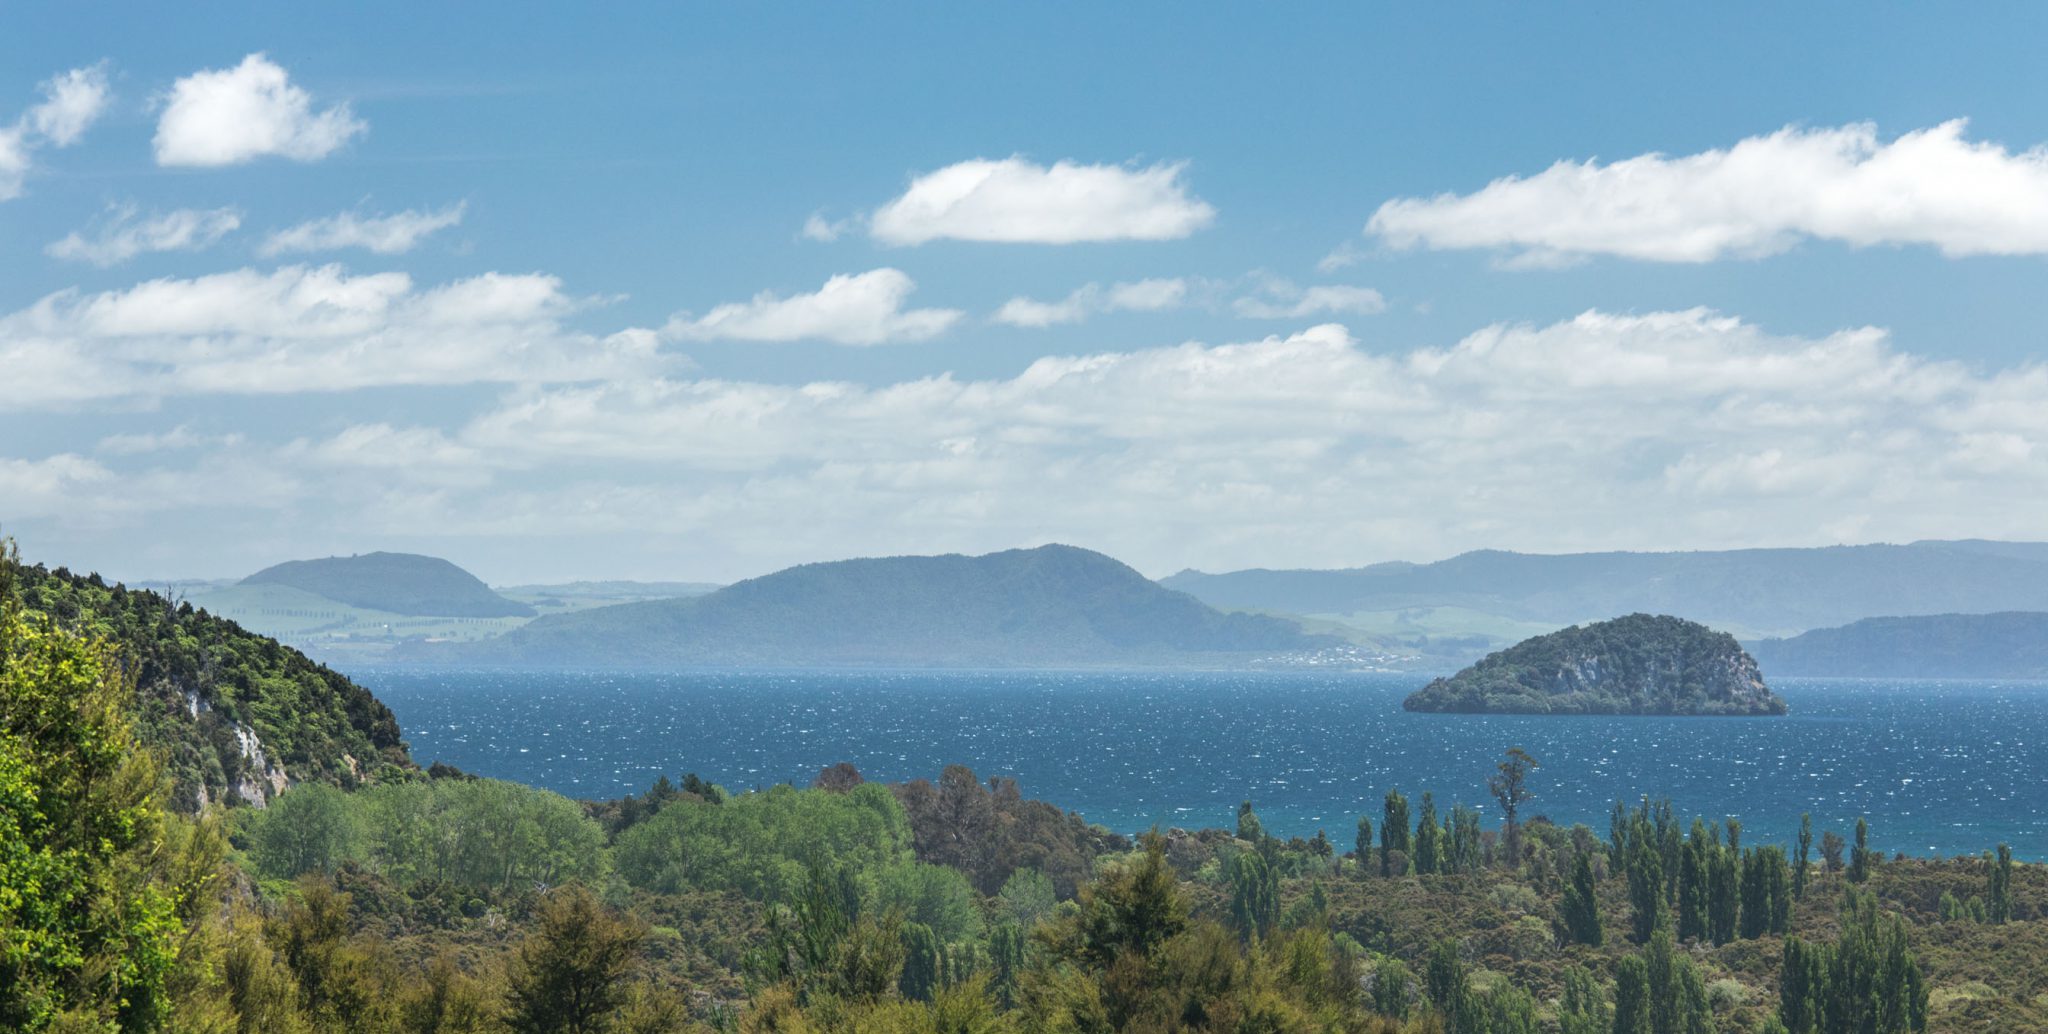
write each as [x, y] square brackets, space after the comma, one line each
[1639, 664]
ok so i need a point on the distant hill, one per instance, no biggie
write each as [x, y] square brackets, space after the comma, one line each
[1050, 606]
[238, 717]
[2012, 645]
[400, 583]
[1637, 664]
[1753, 592]
[610, 591]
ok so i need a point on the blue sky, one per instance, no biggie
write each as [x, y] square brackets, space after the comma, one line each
[1333, 343]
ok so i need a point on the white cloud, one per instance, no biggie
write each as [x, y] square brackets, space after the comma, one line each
[825, 231]
[72, 102]
[1760, 197]
[232, 115]
[122, 236]
[393, 234]
[179, 437]
[46, 487]
[1014, 201]
[851, 309]
[1277, 299]
[1344, 256]
[302, 329]
[1153, 295]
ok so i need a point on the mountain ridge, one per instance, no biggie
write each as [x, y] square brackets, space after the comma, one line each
[1046, 606]
[401, 583]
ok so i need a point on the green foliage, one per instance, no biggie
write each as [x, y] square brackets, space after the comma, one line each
[568, 975]
[1582, 903]
[88, 924]
[1802, 861]
[1645, 890]
[931, 896]
[201, 686]
[1860, 857]
[1429, 839]
[2000, 889]
[1394, 833]
[1582, 1007]
[1254, 894]
[765, 844]
[1027, 896]
[1637, 664]
[472, 833]
[1868, 982]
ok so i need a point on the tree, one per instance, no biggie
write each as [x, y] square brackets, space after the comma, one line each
[1393, 832]
[568, 976]
[1428, 838]
[1831, 845]
[87, 922]
[312, 828]
[1132, 908]
[1582, 1008]
[1582, 903]
[1028, 897]
[1392, 988]
[2000, 892]
[1805, 847]
[1248, 825]
[1859, 856]
[923, 962]
[1510, 787]
[1254, 895]
[1445, 982]
[1364, 844]
[1645, 893]
[1632, 996]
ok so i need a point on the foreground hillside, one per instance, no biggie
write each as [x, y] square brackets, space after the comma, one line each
[1752, 592]
[1637, 664]
[238, 717]
[1050, 606]
[1983, 646]
[397, 583]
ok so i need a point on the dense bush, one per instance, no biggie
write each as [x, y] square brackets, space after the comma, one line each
[765, 844]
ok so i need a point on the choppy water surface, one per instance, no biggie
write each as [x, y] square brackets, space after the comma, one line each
[1938, 766]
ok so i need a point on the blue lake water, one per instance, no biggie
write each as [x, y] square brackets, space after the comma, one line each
[1939, 766]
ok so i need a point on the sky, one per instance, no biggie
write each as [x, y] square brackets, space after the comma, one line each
[701, 291]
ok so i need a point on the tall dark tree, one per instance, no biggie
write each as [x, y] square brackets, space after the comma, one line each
[1805, 849]
[1393, 832]
[1428, 838]
[1860, 858]
[1999, 896]
[1694, 866]
[1248, 825]
[1632, 996]
[1582, 903]
[1510, 788]
[1364, 844]
[1582, 1008]
[924, 962]
[1645, 890]
[1254, 895]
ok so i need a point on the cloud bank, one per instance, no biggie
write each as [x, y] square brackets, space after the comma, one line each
[1763, 196]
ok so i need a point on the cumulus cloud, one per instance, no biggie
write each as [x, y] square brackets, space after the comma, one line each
[1151, 295]
[823, 230]
[1012, 200]
[1277, 298]
[393, 234]
[228, 116]
[302, 329]
[851, 309]
[1761, 197]
[122, 236]
[72, 102]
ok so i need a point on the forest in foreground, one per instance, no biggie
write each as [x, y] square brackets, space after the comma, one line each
[399, 899]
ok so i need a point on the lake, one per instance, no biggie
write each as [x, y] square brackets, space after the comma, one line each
[1938, 766]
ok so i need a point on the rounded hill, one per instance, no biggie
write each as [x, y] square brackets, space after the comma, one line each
[401, 583]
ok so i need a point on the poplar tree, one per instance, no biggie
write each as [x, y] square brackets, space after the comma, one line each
[1645, 891]
[1805, 847]
[1364, 844]
[1582, 904]
[1859, 855]
[2001, 886]
[1428, 838]
[1393, 831]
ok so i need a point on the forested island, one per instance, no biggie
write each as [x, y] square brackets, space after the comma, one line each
[1639, 664]
[388, 898]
